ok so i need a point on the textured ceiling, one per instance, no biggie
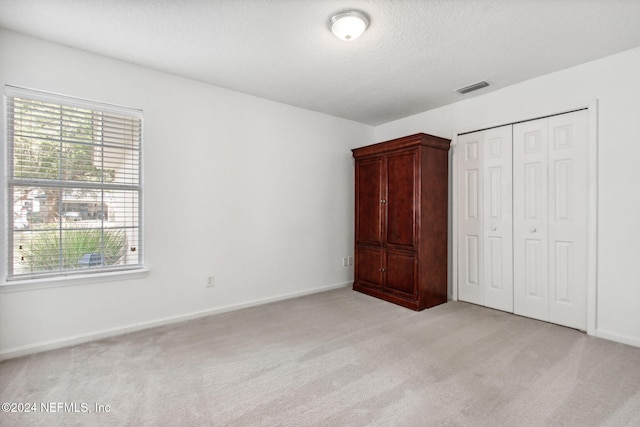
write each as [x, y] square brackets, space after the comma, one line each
[413, 57]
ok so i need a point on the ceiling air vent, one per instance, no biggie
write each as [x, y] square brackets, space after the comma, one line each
[472, 87]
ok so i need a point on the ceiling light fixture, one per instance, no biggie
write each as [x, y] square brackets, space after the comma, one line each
[349, 25]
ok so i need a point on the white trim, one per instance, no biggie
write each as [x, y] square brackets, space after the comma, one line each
[592, 210]
[72, 280]
[454, 217]
[624, 339]
[4, 196]
[20, 351]
[592, 220]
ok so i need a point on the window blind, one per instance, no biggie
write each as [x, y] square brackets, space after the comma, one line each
[74, 185]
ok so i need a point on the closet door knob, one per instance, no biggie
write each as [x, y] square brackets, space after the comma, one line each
[532, 229]
[494, 228]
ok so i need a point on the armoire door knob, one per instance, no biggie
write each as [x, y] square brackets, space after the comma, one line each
[383, 201]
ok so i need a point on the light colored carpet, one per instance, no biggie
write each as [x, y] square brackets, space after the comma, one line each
[338, 358]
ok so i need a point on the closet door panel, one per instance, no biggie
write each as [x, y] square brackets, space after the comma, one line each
[470, 261]
[497, 219]
[530, 219]
[568, 202]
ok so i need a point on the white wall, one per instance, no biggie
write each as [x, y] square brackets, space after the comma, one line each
[614, 82]
[257, 193]
[260, 193]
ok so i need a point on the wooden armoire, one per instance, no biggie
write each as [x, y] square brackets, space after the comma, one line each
[401, 220]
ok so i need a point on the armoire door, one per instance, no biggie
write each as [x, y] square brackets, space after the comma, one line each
[550, 219]
[400, 201]
[400, 272]
[368, 266]
[369, 196]
[485, 223]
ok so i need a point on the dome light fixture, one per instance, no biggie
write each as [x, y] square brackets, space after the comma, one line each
[349, 25]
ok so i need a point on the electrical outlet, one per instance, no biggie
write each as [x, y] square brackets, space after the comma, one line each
[210, 282]
[350, 260]
[345, 262]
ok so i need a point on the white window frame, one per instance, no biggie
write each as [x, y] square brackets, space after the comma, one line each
[61, 278]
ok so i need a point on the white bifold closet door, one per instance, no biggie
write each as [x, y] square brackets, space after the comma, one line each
[550, 218]
[485, 223]
[522, 218]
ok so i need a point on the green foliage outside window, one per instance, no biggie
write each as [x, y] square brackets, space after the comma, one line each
[42, 250]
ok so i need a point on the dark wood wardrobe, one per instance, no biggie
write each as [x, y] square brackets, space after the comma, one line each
[401, 220]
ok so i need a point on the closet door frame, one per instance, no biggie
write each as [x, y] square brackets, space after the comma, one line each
[592, 190]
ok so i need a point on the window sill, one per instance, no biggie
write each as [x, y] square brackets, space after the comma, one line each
[71, 280]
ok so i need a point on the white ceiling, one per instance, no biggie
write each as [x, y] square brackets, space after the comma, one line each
[413, 57]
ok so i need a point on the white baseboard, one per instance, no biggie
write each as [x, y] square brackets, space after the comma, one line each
[106, 333]
[612, 336]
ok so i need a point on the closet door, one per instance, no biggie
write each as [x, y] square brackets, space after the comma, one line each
[550, 219]
[485, 224]
[470, 268]
[568, 203]
[530, 224]
[497, 218]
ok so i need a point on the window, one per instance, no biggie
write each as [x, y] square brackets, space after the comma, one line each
[74, 186]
